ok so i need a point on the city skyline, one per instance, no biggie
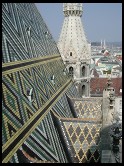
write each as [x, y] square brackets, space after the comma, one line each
[106, 22]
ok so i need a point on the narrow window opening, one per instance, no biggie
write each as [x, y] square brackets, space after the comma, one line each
[70, 53]
[71, 71]
[83, 90]
[83, 71]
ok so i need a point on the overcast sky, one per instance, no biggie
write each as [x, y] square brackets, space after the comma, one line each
[100, 20]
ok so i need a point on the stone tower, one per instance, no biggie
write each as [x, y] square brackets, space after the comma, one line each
[74, 48]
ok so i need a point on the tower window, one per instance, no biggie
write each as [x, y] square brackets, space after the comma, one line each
[71, 71]
[83, 71]
[83, 90]
[70, 53]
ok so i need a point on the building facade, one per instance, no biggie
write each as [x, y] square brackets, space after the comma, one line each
[74, 48]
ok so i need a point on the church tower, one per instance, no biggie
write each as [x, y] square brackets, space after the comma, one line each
[74, 48]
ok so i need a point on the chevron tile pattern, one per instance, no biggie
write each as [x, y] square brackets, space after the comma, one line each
[88, 108]
[30, 95]
[25, 35]
[84, 140]
[17, 110]
[30, 59]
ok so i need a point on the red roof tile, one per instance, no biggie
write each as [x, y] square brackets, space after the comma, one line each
[97, 85]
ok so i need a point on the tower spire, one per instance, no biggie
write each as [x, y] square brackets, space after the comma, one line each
[73, 45]
[72, 9]
[104, 44]
[101, 43]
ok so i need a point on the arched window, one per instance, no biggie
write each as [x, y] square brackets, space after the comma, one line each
[83, 90]
[83, 71]
[70, 53]
[71, 71]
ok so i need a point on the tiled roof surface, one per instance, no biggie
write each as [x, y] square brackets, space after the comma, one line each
[81, 138]
[97, 85]
[88, 109]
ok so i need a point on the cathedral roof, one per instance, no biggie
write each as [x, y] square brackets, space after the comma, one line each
[33, 82]
[86, 107]
[77, 136]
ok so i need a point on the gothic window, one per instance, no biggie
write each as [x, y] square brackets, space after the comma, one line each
[83, 71]
[70, 53]
[71, 71]
[83, 90]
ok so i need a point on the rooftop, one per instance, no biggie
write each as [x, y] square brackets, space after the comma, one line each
[97, 85]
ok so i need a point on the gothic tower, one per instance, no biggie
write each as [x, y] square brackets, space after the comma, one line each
[74, 48]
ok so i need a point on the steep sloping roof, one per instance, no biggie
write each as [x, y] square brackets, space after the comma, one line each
[97, 85]
[86, 107]
[81, 138]
[33, 83]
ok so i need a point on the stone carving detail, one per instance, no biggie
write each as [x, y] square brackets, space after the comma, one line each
[84, 53]
[70, 48]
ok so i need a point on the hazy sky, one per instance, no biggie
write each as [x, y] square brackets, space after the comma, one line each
[100, 20]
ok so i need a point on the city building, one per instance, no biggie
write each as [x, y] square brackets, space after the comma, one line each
[97, 86]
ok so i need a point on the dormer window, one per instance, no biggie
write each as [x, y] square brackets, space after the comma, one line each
[29, 31]
[64, 71]
[70, 53]
[98, 90]
[30, 94]
[53, 79]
